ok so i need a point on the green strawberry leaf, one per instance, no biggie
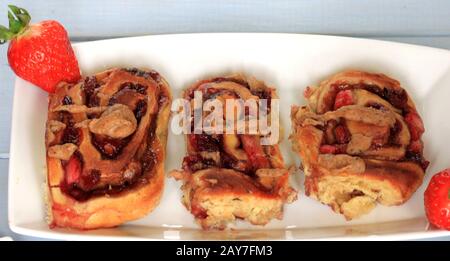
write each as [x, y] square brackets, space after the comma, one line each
[19, 19]
[14, 25]
[21, 14]
[14, 9]
[5, 34]
[24, 18]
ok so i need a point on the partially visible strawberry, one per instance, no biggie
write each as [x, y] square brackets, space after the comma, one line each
[343, 98]
[333, 149]
[437, 200]
[328, 149]
[73, 170]
[39, 53]
[254, 151]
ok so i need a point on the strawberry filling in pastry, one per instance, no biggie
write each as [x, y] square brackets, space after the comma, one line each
[105, 143]
[359, 139]
[229, 176]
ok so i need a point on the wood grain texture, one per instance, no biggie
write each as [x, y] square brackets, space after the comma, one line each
[4, 229]
[7, 78]
[113, 18]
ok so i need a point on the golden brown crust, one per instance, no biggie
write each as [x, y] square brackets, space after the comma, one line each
[359, 142]
[230, 176]
[217, 196]
[104, 212]
[110, 209]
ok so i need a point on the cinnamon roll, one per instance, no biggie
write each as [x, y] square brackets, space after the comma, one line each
[105, 141]
[359, 140]
[231, 175]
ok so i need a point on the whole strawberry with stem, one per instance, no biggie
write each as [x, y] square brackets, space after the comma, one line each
[437, 200]
[39, 53]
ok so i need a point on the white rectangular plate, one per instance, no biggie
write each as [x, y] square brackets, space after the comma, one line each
[287, 61]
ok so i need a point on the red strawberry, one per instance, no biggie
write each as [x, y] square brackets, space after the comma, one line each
[415, 125]
[254, 151]
[332, 149]
[73, 170]
[343, 98]
[39, 53]
[328, 149]
[437, 200]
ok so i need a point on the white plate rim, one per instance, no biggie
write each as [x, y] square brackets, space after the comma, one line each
[17, 228]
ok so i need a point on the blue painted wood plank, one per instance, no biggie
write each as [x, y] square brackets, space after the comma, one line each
[113, 18]
[6, 94]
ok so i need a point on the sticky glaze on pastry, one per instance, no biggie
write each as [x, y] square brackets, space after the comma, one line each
[105, 140]
[232, 176]
[359, 139]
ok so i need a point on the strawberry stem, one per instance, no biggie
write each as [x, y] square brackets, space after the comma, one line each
[19, 19]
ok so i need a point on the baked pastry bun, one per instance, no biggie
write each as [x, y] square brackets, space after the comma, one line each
[229, 176]
[359, 140]
[105, 140]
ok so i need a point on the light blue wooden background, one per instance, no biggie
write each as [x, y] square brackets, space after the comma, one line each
[409, 21]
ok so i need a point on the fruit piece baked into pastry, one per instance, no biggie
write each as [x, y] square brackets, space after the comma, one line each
[359, 139]
[232, 176]
[105, 140]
